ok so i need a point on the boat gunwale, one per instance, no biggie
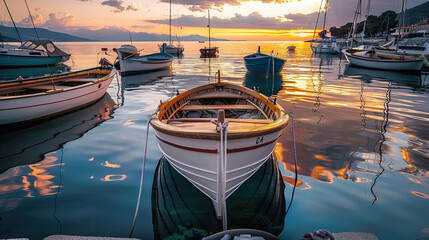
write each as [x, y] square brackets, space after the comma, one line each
[49, 79]
[277, 125]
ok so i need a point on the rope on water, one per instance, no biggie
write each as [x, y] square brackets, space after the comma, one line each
[296, 169]
[142, 176]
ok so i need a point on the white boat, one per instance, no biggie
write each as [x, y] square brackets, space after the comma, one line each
[370, 59]
[170, 48]
[32, 53]
[324, 47]
[217, 135]
[39, 98]
[131, 63]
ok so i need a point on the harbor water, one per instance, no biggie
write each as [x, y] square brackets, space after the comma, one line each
[362, 140]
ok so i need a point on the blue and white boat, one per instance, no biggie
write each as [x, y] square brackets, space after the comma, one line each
[32, 53]
[263, 63]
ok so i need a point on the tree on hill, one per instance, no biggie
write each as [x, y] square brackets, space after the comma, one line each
[375, 25]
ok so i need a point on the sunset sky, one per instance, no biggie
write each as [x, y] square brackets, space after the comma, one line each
[230, 19]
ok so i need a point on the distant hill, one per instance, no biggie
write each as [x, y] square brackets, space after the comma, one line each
[109, 34]
[28, 33]
[417, 13]
[85, 35]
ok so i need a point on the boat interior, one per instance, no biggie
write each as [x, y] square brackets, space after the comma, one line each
[51, 84]
[242, 108]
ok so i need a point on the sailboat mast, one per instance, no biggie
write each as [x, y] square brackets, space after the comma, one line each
[324, 20]
[355, 19]
[11, 18]
[366, 19]
[209, 30]
[317, 22]
[170, 23]
[31, 17]
[402, 23]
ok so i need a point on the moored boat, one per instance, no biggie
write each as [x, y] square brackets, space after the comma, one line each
[39, 98]
[170, 48]
[209, 52]
[217, 156]
[33, 53]
[131, 63]
[263, 63]
[371, 59]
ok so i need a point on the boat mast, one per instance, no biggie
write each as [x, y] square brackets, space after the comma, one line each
[317, 21]
[355, 19]
[170, 23]
[324, 20]
[31, 17]
[402, 23]
[209, 30]
[11, 18]
[366, 19]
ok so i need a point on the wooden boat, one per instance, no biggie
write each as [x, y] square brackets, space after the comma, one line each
[28, 145]
[179, 209]
[196, 145]
[170, 48]
[209, 52]
[263, 63]
[129, 63]
[371, 59]
[39, 98]
[291, 48]
[33, 53]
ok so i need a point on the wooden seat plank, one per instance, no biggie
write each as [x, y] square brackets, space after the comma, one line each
[217, 107]
[238, 120]
[216, 94]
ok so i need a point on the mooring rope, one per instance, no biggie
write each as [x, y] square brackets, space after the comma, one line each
[141, 176]
[296, 169]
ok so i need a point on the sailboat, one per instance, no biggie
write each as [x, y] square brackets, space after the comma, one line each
[382, 60]
[170, 48]
[38, 52]
[210, 51]
[324, 47]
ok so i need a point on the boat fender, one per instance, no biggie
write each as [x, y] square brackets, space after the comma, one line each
[321, 234]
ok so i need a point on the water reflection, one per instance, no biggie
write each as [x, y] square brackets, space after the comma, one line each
[179, 210]
[29, 145]
[399, 78]
[267, 85]
[14, 73]
[133, 82]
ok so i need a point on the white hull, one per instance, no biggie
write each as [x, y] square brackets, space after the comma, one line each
[141, 66]
[383, 64]
[325, 48]
[20, 109]
[173, 50]
[197, 160]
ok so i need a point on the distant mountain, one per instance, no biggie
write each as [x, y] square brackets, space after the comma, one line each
[28, 33]
[114, 34]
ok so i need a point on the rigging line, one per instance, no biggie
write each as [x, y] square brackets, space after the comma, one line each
[11, 18]
[31, 17]
[317, 22]
[141, 176]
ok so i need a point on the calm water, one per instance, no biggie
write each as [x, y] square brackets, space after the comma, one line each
[362, 146]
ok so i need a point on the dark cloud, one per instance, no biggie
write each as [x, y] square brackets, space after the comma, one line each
[252, 21]
[217, 4]
[119, 5]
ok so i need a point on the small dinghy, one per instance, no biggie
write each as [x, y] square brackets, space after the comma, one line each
[38, 98]
[263, 64]
[218, 135]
